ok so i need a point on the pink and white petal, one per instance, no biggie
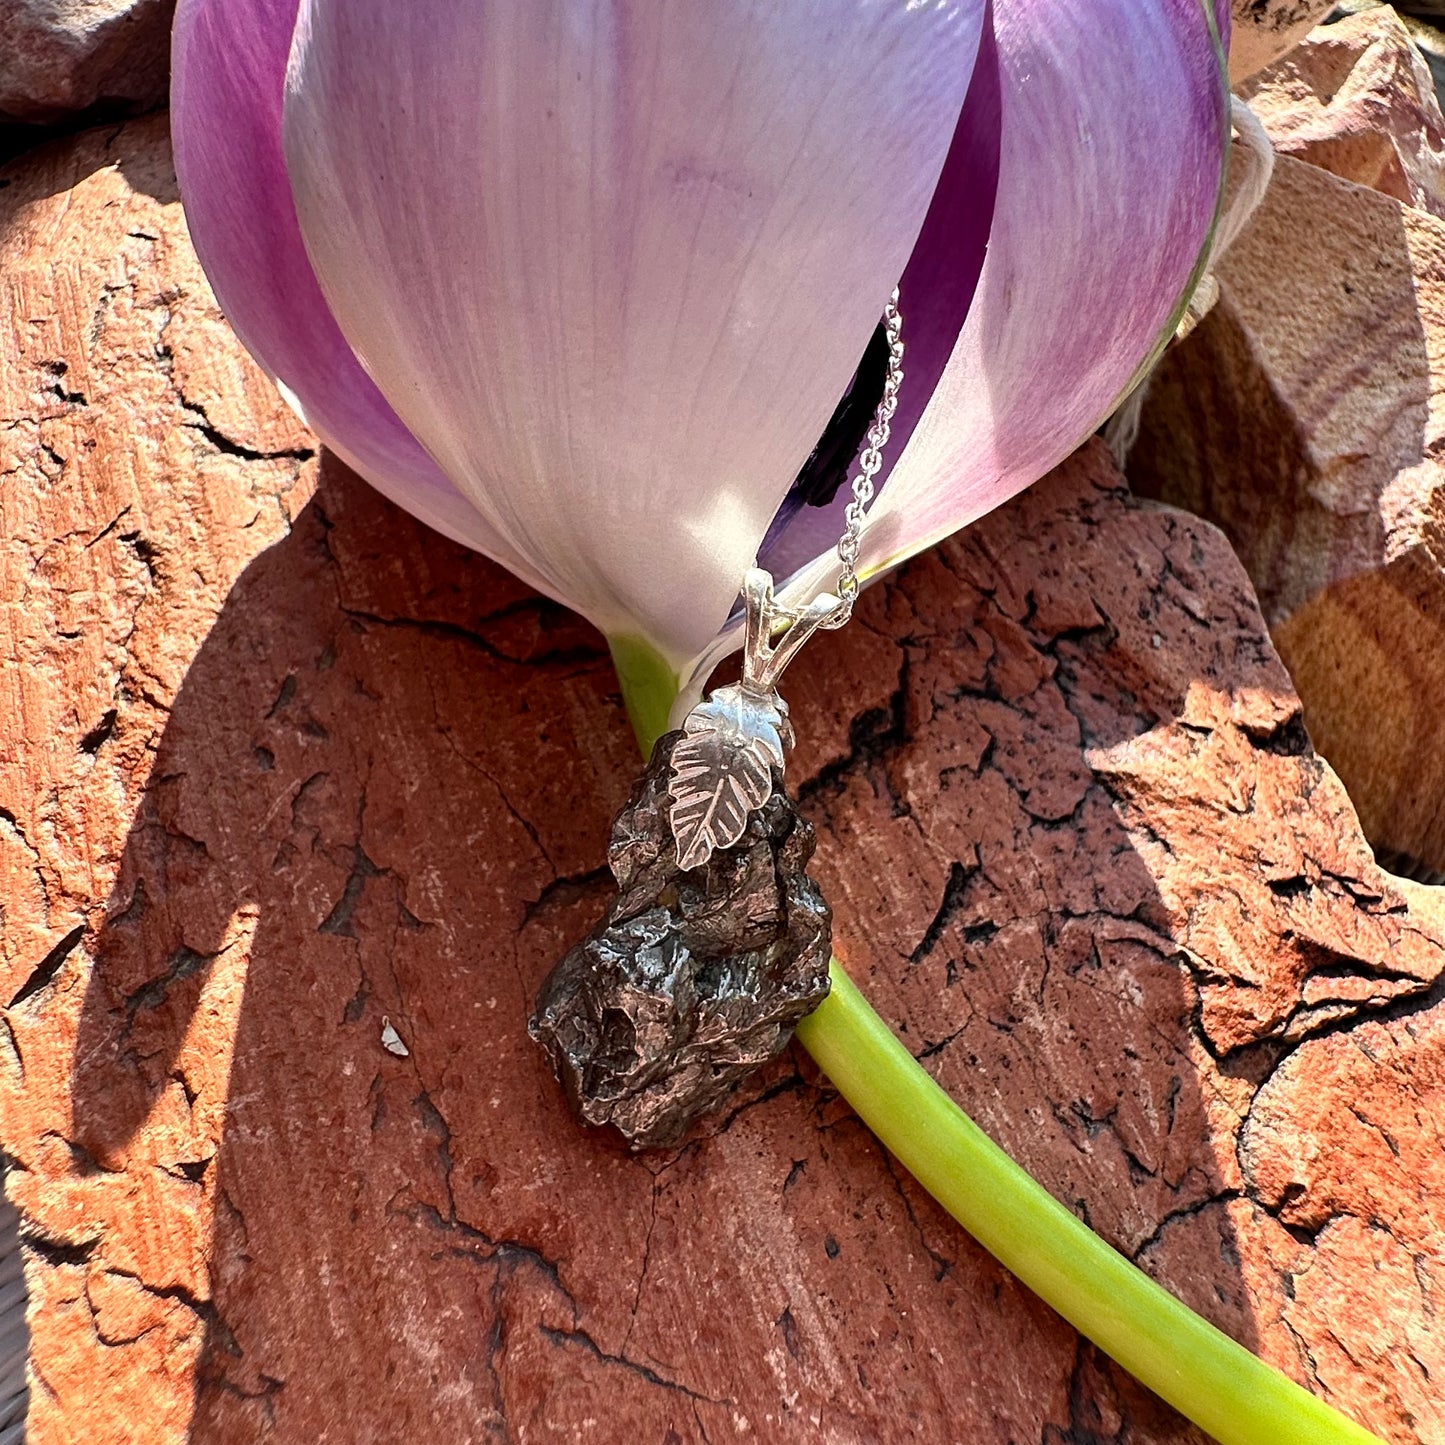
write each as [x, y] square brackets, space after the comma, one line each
[935, 294]
[228, 77]
[614, 265]
[1114, 135]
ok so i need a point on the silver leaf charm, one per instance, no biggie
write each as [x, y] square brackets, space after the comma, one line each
[722, 768]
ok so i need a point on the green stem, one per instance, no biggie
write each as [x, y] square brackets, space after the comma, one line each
[649, 686]
[1221, 1386]
[1198, 1369]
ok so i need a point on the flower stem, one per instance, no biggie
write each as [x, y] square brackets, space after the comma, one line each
[1220, 1385]
[1198, 1369]
[649, 686]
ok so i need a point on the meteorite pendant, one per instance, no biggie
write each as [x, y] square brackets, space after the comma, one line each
[717, 941]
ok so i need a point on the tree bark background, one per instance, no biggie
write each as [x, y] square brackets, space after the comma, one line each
[280, 764]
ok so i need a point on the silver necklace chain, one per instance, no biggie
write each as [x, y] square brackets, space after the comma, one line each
[730, 746]
[870, 460]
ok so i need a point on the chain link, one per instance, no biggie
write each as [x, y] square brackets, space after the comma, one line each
[870, 459]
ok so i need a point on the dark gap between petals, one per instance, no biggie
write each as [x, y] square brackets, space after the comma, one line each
[832, 458]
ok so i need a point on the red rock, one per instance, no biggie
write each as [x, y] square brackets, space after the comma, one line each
[1079, 850]
[1357, 99]
[1304, 417]
[1264, 29]
[60, 57]
[1344, 1144]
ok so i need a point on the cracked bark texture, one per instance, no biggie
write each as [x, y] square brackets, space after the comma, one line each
[280, 764]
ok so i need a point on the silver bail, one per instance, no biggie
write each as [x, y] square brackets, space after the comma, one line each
[763, 662]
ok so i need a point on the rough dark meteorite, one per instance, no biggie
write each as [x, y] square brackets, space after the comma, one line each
[692, 979]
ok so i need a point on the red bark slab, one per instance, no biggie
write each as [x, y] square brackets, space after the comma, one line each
[280, 766]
